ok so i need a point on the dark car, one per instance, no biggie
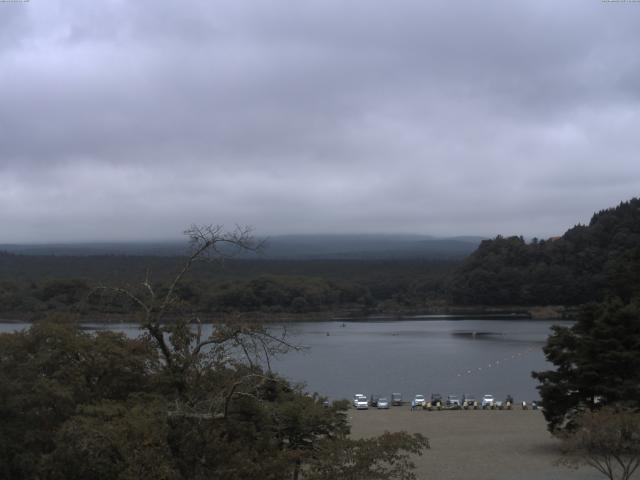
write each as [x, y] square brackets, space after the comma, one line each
[453, 401]
[396, 399]
[373, 400]
[508, 402]
[436, 400]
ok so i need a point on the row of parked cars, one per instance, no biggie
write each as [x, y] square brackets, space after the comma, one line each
[468, 401]
[361, 401]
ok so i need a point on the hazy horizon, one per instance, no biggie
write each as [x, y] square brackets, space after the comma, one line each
[408, 237]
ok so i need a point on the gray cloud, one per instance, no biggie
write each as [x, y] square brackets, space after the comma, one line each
[133, 119]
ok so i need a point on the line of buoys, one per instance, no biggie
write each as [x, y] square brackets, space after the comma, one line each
[496, 363]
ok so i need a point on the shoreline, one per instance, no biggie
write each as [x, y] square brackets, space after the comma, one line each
[515, 313]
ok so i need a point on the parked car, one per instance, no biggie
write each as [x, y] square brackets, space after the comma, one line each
[383, 403]
[488, 401]
[453, 401]
[469, 401]
[373, 400]
[360, 402]
[396, 399]
[418, 400]
[435, 399]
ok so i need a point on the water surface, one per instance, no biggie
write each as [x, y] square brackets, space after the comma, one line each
[408, 356]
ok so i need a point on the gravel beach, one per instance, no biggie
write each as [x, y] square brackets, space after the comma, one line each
[475, 444]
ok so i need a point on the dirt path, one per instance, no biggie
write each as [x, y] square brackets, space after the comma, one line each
[475, 445]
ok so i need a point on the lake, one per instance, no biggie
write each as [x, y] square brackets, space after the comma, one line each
[409, 356]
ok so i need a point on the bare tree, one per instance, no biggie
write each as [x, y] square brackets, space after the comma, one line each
[607, 440]
[245, 346]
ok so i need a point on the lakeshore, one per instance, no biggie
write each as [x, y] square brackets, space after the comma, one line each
[475, 444]
[450, 312]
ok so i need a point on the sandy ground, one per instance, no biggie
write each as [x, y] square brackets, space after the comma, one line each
[475, 444]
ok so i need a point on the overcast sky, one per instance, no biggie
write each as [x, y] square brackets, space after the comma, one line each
[132, 119]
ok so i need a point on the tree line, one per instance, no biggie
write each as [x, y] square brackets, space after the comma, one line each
[45, 286]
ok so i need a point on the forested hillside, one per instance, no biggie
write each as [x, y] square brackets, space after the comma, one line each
[587, 263]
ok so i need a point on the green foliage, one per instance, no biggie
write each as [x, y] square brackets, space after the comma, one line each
[75, 405]
[47, 372]
[119, 440]
[587, 263]
[597, 362]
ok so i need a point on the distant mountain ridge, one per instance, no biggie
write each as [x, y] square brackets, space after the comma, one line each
[284, 247]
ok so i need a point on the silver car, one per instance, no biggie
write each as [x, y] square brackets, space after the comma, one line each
[360, 402]
[383, 403]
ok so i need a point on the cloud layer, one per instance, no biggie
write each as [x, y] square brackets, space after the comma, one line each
[131, 120]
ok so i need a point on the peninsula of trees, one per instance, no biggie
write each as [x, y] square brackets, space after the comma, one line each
[587, 263]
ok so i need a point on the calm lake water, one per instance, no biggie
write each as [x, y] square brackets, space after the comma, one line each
[409, 356]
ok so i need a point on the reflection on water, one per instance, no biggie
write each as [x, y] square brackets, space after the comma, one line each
[409, 356]
[475, 334]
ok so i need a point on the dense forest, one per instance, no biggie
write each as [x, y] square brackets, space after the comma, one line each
[35, 286]
[588, 263]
